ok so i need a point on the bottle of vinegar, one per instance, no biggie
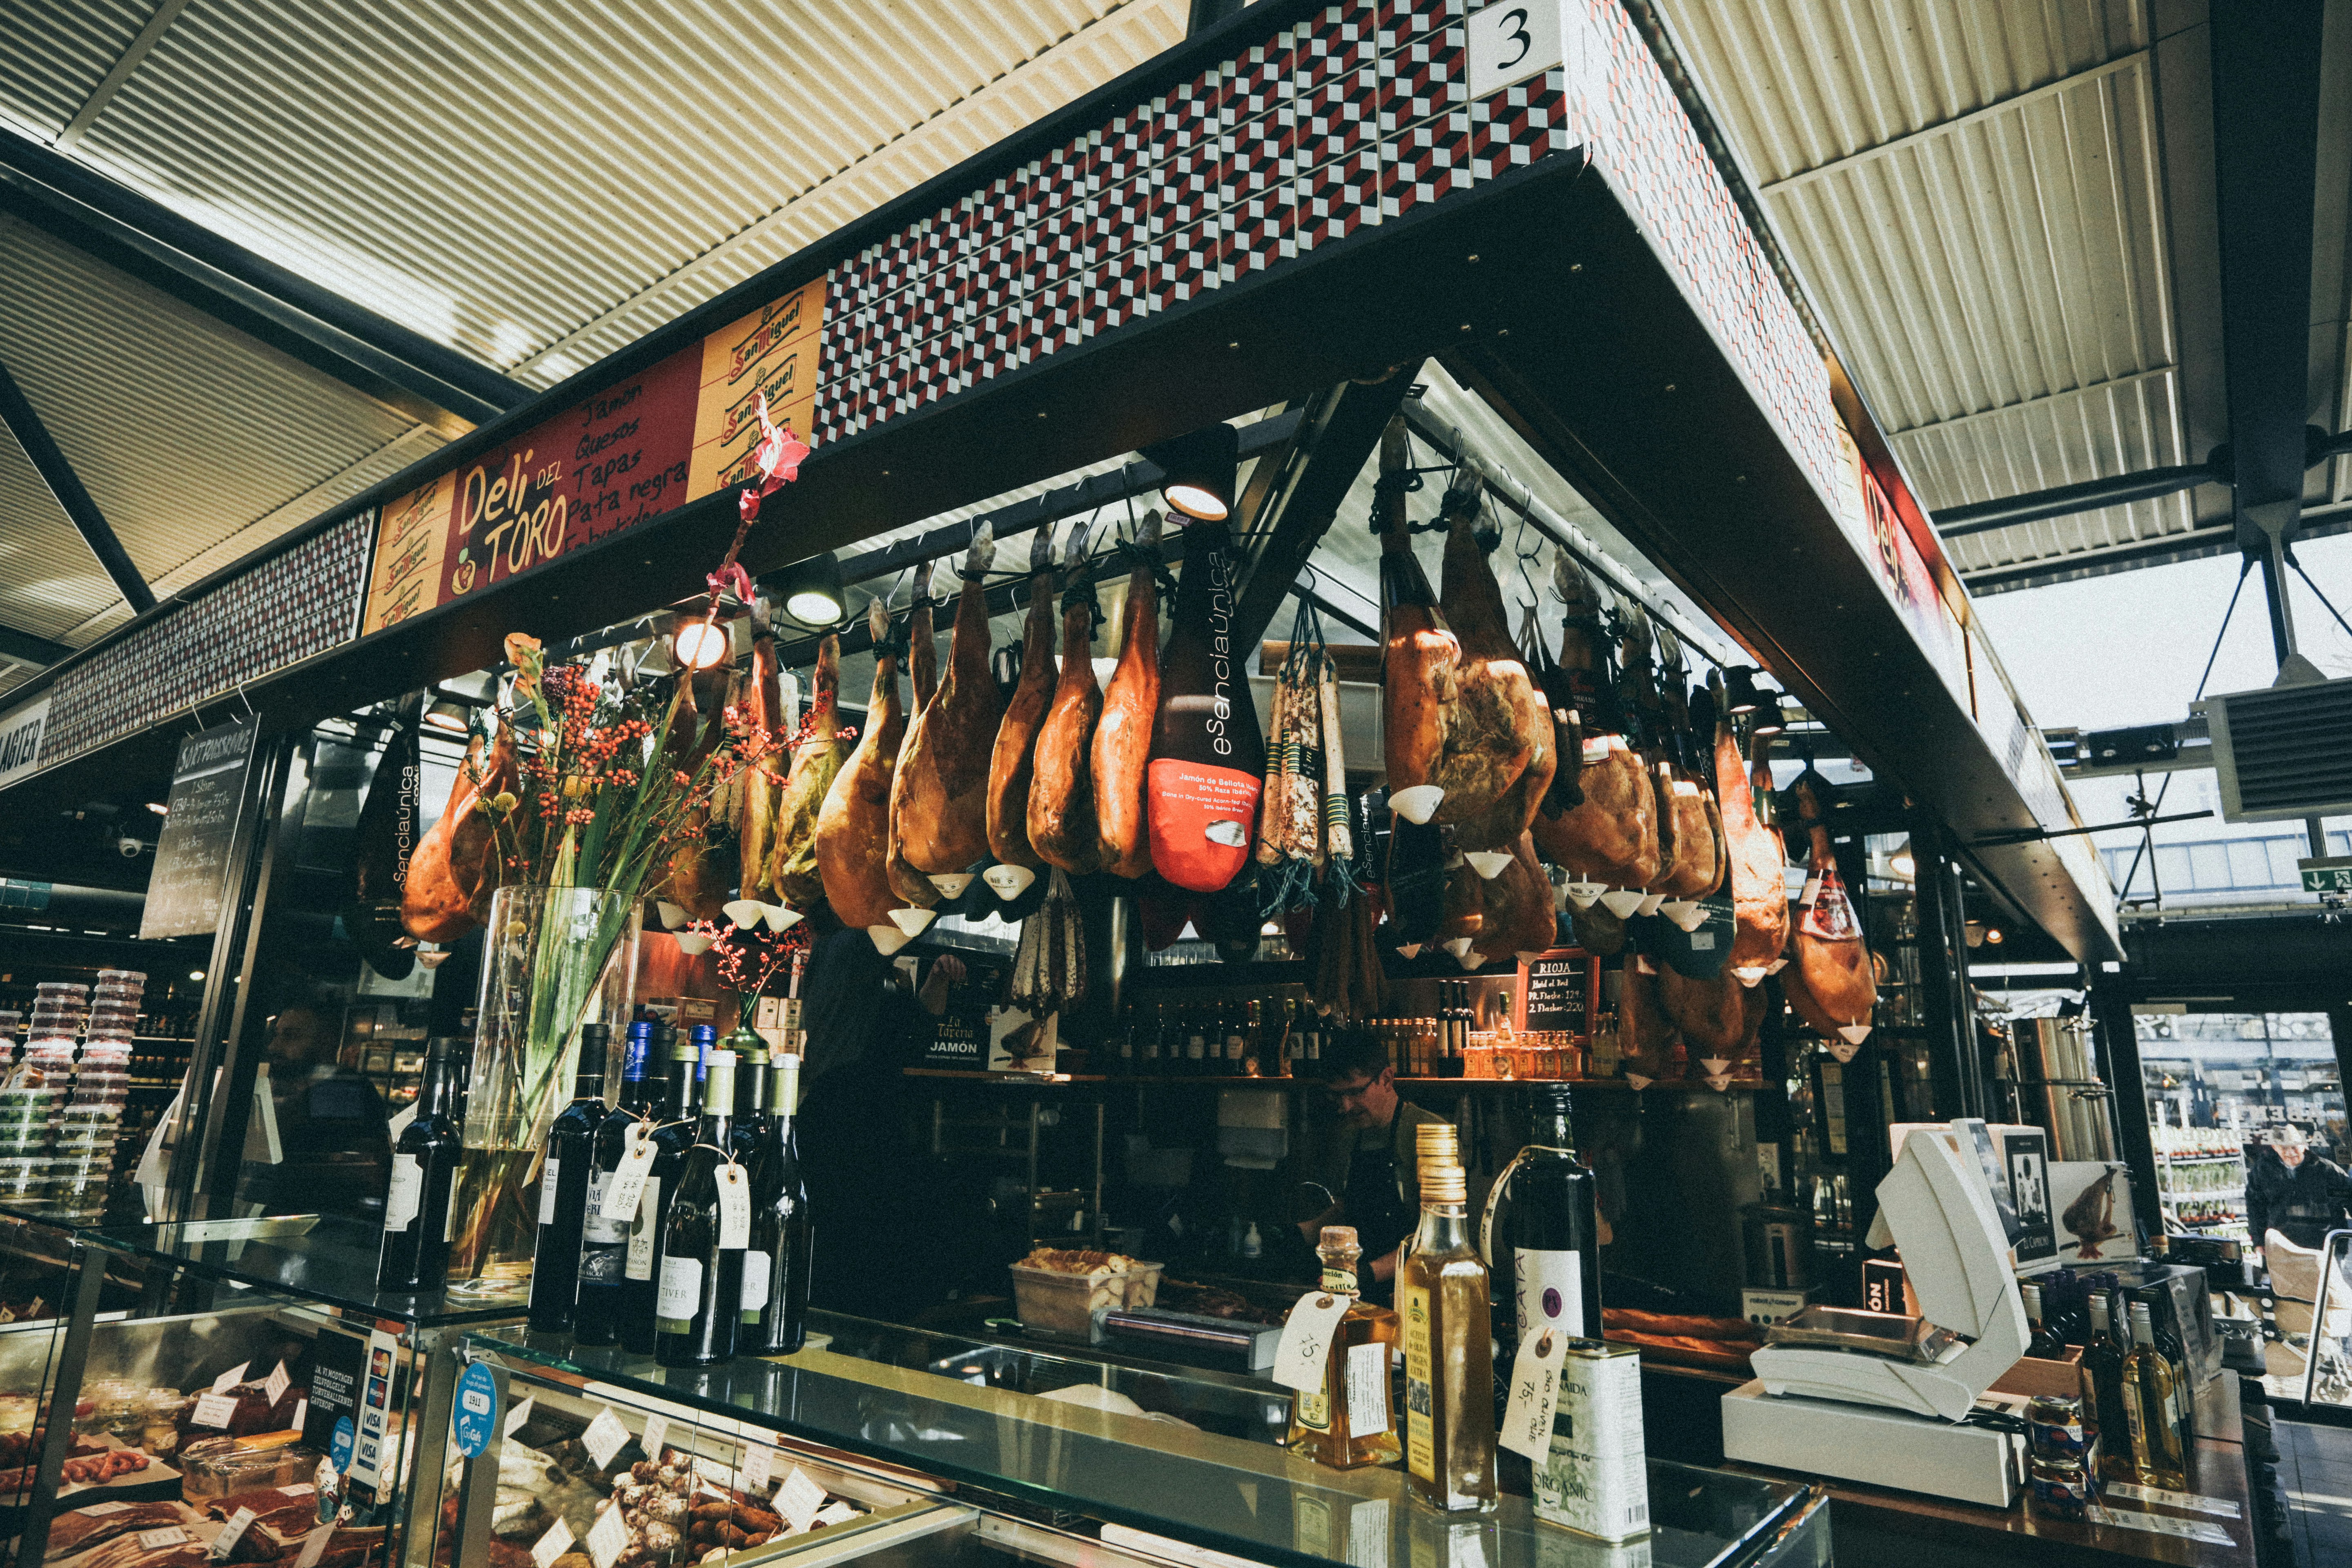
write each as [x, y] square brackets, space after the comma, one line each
[1349, 1422]
[563, 1189]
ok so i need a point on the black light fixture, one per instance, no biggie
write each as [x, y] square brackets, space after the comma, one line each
[1739, 690]
[1198, 471]
[1771, 718]
[811, 592]
[447, 715]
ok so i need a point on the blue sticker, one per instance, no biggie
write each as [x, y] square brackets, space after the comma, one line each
[340, 1448]
[477, 1409]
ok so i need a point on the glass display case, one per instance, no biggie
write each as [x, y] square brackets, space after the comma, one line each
[210, 1368]
[942, 1447]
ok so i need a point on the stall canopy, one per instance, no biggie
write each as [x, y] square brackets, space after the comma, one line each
[1297, 209]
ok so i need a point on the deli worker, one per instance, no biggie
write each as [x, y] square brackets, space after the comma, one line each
[1380, 1193]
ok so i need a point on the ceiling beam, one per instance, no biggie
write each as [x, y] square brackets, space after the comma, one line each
[200, 268]
[2266, 63]
[18, 414]
[2063, 501]
[24, 647]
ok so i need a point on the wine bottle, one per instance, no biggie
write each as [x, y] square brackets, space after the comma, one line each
[417, 1214]
[706, 1040]
[1208, 758]
[2040, 1341]
[776, 1267]
[1541, 1232]
[1349, 1422]
[1447, 1321]
[696, 1305]
[672, 1135]
[604, 1238]
[2149, 1399]
[750, 1128]
[2103, 1391]
[563, 1189]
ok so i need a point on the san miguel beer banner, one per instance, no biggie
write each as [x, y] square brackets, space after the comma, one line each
[679, 431]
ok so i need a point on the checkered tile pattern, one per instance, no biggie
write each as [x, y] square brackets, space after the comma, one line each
[298, 604]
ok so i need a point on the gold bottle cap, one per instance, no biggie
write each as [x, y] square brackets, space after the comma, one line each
[1443, 1185]
[1433, 1137]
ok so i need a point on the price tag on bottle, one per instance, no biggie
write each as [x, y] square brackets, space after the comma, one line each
[609, 1538]
[213, 1410]
[1307, 1334]
[734, 1207]
[627, 1183]
[278, 1382]
[234, 1531]
[656, 1434]
[231, 1378]
[314, 1545]
[798, 1501]
[518, 1417]
[1535, 1394]
[552, 1545]
[604, 1438]
[759, 1465]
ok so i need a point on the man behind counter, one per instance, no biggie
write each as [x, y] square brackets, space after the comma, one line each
[1380, 1193]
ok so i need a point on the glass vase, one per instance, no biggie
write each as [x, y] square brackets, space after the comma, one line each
[553, 958]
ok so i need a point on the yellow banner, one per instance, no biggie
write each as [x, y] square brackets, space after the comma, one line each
[411, 540]
[772, 350]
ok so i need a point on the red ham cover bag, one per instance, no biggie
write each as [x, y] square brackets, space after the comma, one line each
[1208, 758]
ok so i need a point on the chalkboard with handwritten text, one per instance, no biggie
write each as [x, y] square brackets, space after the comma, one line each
[1557, 988]
[185, 891]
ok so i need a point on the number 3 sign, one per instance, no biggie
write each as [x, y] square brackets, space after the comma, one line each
[1515, 39]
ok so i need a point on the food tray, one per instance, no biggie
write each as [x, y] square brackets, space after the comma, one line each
[1064, 1303]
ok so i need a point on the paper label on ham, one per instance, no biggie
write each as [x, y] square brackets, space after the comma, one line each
[1199, 822]
[1829, 914]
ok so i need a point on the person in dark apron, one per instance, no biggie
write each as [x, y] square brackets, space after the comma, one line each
[1380, 1195]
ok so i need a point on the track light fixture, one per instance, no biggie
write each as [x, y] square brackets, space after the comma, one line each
[811, 592]
[1199, 471]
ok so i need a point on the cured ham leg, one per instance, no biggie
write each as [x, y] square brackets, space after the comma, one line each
[1829, 982]
[1012, 766]
[762, 785]
[852, 830]
[454, 868]
[1450, 729]
[1644, 1032]
[1612, 836]
[816, 763]
[913, 888]
[1518, 918]
[1717, 1017]
[1756, 866]
[1496, 696]
[698, 879]
[1122, 742]
[1063, 826]
[939, 797]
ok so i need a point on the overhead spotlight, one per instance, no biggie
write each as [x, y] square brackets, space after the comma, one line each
[1199, 471]
[811, 592]
[1904, 863]
[447, 715]
[1993, 936]
[158, 807]
[1739, 692]
[195, 974]
[698, 643]
[1772, 719]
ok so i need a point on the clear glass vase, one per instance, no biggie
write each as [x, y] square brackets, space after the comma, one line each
[553, 958]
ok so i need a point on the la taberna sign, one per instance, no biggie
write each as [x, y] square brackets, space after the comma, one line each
[20, 740]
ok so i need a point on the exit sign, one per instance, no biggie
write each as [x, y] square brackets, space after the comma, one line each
[2332, 874]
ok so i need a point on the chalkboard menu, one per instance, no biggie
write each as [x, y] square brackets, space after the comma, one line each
[1558, 990]
[184, 893]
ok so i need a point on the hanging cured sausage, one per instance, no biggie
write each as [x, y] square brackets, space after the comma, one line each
[816, 763]
[1064, 828]
[1122, 743]
[1611, 836]
[1012, 765]
[1208, 759]
[1830, 980]
[852, 830]
[1756, 863]
[938, 796]
[762, 781]
[1497, 705]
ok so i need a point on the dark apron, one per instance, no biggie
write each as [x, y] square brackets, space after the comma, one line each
[1375, 1208]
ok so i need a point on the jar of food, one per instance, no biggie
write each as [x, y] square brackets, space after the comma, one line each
[2057, 1427]
[2063, 1489]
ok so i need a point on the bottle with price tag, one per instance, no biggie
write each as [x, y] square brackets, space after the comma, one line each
[700, 1290]
[672, 1136]
[564, 1183]
[1345, 1419]
[416, 1211]
[605, 1236]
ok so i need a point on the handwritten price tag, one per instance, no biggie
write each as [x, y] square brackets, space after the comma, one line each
[1535, 1394]
[734, 1208]
[656, 1434]
[234, 1531]
[230, 1379]
[759, 1465]
[604, 1438]
[552, 1545]
[1306, 1348]
[279, 1382]
[519, 1417]
[798, 1501]
[627, 1183]
[213, 1410]
[314, 1545]
[609, 1537]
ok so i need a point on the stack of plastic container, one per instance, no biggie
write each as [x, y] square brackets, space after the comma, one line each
[91, 1122]
[35, 1091]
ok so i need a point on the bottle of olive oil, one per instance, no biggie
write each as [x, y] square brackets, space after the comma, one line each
[1349, 1422]
[2149, 1400]
[1446, 1317]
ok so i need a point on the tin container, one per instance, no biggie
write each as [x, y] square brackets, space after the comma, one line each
[2058, 1427]
[1597, 1479]
[2063, 1489]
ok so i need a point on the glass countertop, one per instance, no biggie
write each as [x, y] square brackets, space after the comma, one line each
[1203, 1465]
[325, 1259]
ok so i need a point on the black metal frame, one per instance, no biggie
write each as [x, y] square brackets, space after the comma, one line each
[17, 413]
